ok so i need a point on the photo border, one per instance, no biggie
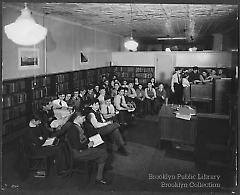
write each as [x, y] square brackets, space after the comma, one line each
[21, 51]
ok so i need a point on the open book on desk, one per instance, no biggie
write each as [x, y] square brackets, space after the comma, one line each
[49, 141]
[97, 140]
[185, 112]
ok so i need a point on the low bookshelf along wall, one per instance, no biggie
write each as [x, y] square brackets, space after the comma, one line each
[128, 73]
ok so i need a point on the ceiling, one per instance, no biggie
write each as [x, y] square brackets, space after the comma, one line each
[147, 21]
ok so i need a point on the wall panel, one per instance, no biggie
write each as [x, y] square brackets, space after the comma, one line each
[65, 40]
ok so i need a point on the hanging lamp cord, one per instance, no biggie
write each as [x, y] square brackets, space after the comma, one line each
[131, 22]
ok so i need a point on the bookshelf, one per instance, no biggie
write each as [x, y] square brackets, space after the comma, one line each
[128, 73]
[107, 71]
[79, 80]
[83, 78]
[145, 74]
[40, 88]
[15, 104]
[60, 83]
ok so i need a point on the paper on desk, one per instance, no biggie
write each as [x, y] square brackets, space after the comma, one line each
[49, 141]
[183, 116]
[97, 140]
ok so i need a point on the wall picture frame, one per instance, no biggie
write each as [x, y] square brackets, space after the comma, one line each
[28, 58]
[83, 58]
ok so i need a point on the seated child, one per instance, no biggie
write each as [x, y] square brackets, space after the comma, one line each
[36, 136]
[108, 110]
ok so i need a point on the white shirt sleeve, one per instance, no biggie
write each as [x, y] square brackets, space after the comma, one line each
[174, 80]
[146, 94]
[154, 93]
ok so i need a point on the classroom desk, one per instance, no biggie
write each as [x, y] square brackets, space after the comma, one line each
[174, 129]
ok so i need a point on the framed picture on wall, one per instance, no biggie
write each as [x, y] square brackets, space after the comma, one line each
[28, 58]
[83, 58]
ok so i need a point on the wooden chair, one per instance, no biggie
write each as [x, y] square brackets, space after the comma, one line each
[32, 162]
[77, 165]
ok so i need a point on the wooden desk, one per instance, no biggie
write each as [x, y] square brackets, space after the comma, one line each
[222, 91]
[215, 142]
[174, 129]
[202, 93]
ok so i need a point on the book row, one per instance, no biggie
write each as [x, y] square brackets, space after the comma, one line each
[144, 75]
[40, 82]
[134, 69]
[62, 78]
[12, 100]
[13, 87]
[40, 93]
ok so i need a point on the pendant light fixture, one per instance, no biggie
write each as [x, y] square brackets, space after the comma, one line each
[130, 44]
[25, 31]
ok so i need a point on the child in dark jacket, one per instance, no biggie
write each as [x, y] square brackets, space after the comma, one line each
[83, 148]
[36, 136]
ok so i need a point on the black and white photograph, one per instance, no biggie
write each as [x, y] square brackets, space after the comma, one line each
[120, 97]
[28, 57]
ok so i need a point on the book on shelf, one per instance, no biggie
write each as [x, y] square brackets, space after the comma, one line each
[75, 76]
[21, 85]
[11, 87]
[21, 98]
[132, 75]
[4, 89]
[36, 105]
[149, 75]
[131, 69]
[40, 93]
[7, 101]
[48, 80]
[37, 82]
[61, 78]
[138, 69]
[18, 98]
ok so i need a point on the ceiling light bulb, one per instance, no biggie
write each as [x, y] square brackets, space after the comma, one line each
[131, 44]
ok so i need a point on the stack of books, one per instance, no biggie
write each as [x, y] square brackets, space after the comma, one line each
[185, 112]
